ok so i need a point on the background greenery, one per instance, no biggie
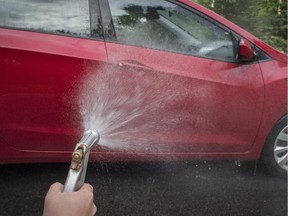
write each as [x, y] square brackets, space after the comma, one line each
[266, 19]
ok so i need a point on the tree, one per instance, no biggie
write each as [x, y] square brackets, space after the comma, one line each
[266, 19]
[275, 32]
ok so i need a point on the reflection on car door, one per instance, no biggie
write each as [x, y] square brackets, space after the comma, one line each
[190, 103]
[193, 104]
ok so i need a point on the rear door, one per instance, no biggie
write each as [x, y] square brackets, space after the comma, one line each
[46, 47]
[179, 75]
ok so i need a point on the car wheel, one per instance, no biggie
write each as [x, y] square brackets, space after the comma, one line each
[275, 152]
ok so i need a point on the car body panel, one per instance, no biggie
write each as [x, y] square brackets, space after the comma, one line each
[39, 78]
[211, 109]
[275, 102]
[208, 98]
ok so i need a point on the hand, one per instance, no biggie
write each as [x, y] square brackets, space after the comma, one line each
[78, 203]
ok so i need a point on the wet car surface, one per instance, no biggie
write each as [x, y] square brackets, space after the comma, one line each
[163, 80]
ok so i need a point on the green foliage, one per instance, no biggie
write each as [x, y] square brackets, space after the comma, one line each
[135, 12]
[266, 19]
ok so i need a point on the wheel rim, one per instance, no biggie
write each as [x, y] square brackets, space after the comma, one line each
[281, 148]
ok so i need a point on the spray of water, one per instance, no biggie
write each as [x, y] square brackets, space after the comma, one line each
[137, 111]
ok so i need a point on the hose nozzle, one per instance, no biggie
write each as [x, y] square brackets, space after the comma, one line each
[80, 156]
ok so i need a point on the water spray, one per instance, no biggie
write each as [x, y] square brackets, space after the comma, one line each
[80, 156]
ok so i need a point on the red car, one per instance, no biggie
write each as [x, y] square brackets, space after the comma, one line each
[159, 80]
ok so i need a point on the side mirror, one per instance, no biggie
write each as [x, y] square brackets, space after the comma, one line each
[245, 51]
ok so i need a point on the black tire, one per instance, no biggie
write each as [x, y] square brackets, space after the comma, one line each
[277, 139]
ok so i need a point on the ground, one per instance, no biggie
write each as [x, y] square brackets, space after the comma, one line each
[166, 188]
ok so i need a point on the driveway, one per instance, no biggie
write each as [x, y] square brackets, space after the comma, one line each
[166, 188]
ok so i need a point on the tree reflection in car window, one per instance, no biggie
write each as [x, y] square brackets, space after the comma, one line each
[62, 16]
[166, 26]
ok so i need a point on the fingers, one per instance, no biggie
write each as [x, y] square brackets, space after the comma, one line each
[94, 210]
[87, 187]
[88, 195]
[55, 188]
[86, 192]
[58, 187]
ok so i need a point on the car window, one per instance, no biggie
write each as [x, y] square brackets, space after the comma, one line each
[166, 26]
[55, 16]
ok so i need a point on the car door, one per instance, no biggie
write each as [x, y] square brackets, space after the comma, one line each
[46, 48]
[177, 80]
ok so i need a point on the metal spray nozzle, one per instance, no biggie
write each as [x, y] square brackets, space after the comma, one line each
[80, 156]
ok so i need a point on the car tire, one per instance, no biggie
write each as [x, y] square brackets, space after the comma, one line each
[275, 152]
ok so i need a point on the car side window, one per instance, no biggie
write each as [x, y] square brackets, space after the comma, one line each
[69, 17]
[166, 26]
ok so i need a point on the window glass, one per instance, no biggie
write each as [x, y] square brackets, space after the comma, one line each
[166, 26]
[56, 16]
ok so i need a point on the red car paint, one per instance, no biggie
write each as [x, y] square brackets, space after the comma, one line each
[40, 78]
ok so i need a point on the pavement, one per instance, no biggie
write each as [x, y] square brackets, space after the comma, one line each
[159, 188]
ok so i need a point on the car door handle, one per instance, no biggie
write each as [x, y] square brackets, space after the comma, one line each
[134, 63]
